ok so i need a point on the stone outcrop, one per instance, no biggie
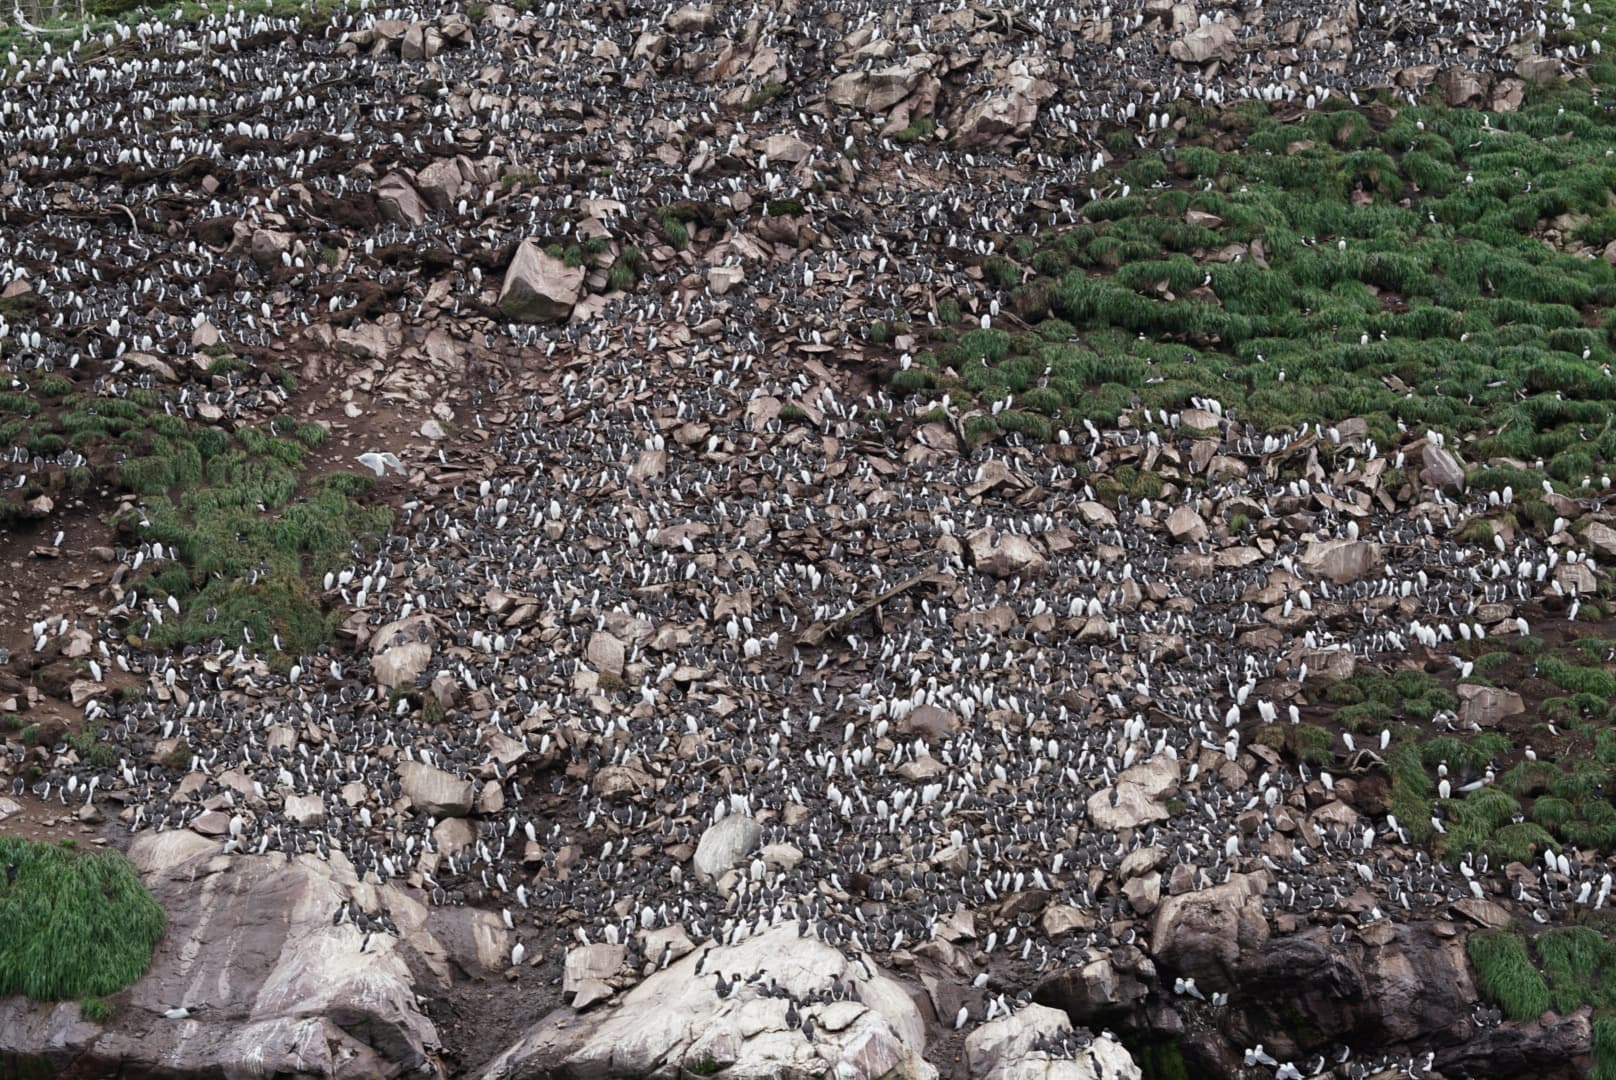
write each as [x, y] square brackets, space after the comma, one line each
[675, 1023]
[271, 986]
[540, 287]
[1006, 1049]
[1206, 935]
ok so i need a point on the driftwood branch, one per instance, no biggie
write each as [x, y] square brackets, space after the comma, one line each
[134, 226]
[821, 630]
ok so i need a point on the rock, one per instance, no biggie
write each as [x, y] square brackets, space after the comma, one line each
[723, 845]
[206, 335]
[1204, 935]
[1214, 41]
[422, 41]
[1185, 525]
[267, 246]
[1124, 807]
[673, 1023]
[1004, 555]
[930, 721]
[275, 988]
[1137, 797]
[1144, 892]
[1413, 987]
[605, 653]
[1538, 69]
[1486, 706]
[724, 278]
[1096, 987]
[1547, 1047]
[786, 149]
[877, 90]
[150, 364]
[1341, 561]
[1003, 1049]
[587, 970]
[1441, 470]
[305, 810]
[445, 182]
[1484, 912]
[692, 19]
[1061, 919]
[435, 792]
[1009, 111]
[1602, 538]
[539, 287]
[401, 665]
[399, 201]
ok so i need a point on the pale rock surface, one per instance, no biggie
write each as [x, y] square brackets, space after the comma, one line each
[274, 988]
[723, 844]
[674, 1021]
[1002, 1049]
[434, 791]
[1341, 561]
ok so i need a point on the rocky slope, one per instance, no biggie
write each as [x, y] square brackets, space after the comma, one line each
[709, 706]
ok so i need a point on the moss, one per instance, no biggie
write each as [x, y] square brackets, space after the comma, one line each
[919, 128]
[764, 94]
[1158, 1058]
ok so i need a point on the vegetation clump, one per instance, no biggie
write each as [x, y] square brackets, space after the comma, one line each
[78, 925]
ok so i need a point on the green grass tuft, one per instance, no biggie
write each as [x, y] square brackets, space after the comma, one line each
[77, 925]
[1507, 974]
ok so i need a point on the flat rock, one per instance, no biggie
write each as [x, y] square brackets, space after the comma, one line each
[1341, 561]
[1002, 555]
[269, 995]
[434, 791]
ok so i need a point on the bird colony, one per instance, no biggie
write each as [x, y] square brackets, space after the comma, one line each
[703, 637]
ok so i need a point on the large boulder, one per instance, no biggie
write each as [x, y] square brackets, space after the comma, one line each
[272, 986]
[1006, 1049]
[878, 90]
[436, 792]
[1388, 984]
[723, 844]
[1206, 934]
[540, 287]
[400, 202]
[676, 1024]
[1441, 469]
[1204, 44]
[1341, 561]
[446, 181]
[1139, 795]
[1487, 706]
[1009, 111]
[1002, 554]
[401, 651]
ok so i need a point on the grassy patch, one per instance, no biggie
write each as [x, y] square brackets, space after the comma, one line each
[1508, 975]
[1397, 275]
[77, 925]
